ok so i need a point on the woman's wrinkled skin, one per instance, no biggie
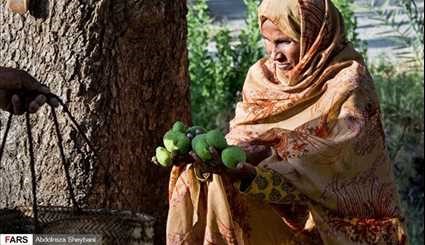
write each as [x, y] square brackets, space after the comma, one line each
[283, 52]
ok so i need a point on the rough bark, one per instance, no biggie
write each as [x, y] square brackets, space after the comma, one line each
[121, 68]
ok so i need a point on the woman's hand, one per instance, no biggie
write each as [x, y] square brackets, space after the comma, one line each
[244, 172]
[20, 92]
[256, 153]
[180, 160]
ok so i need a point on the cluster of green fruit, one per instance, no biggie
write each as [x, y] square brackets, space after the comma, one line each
[180, 140]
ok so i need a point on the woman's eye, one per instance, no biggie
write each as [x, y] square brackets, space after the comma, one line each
[282, 41]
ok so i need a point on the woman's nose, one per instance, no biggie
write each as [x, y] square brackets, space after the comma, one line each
[276, 54]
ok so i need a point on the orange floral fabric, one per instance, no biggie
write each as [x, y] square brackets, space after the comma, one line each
[324, 125]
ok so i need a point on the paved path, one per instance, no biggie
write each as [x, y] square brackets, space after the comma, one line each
[232, 12]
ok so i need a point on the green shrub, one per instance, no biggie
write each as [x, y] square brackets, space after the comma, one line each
[408, 34]
[217, 77]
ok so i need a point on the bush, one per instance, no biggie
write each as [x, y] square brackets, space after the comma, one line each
[408, 34]
[217, 77]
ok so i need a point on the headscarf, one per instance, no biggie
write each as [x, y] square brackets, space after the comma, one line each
[324, 51]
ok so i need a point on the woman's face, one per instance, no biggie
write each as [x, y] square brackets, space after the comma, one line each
[282, 50]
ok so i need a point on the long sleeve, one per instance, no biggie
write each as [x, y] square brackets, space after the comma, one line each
[270, 186]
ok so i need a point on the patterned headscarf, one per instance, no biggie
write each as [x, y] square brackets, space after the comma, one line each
[324, 51]
[316, 25]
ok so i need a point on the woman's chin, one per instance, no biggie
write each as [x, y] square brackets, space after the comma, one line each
[282, 76]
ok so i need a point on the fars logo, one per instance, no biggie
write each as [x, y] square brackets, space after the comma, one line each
[15, 239]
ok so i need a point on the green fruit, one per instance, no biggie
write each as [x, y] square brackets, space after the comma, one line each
[179, 127]
[216, 139]
[233, 155]
[175, 141]
[201, 147]
[195, 130]
[163, 156]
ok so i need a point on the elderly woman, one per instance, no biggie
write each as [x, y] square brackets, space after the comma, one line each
[318, 171]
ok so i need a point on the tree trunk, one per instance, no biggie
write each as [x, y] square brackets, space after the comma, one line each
[121, 68]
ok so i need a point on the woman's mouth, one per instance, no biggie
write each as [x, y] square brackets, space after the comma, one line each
[283, 65]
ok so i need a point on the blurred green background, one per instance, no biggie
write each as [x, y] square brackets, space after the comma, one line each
[221, 53]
